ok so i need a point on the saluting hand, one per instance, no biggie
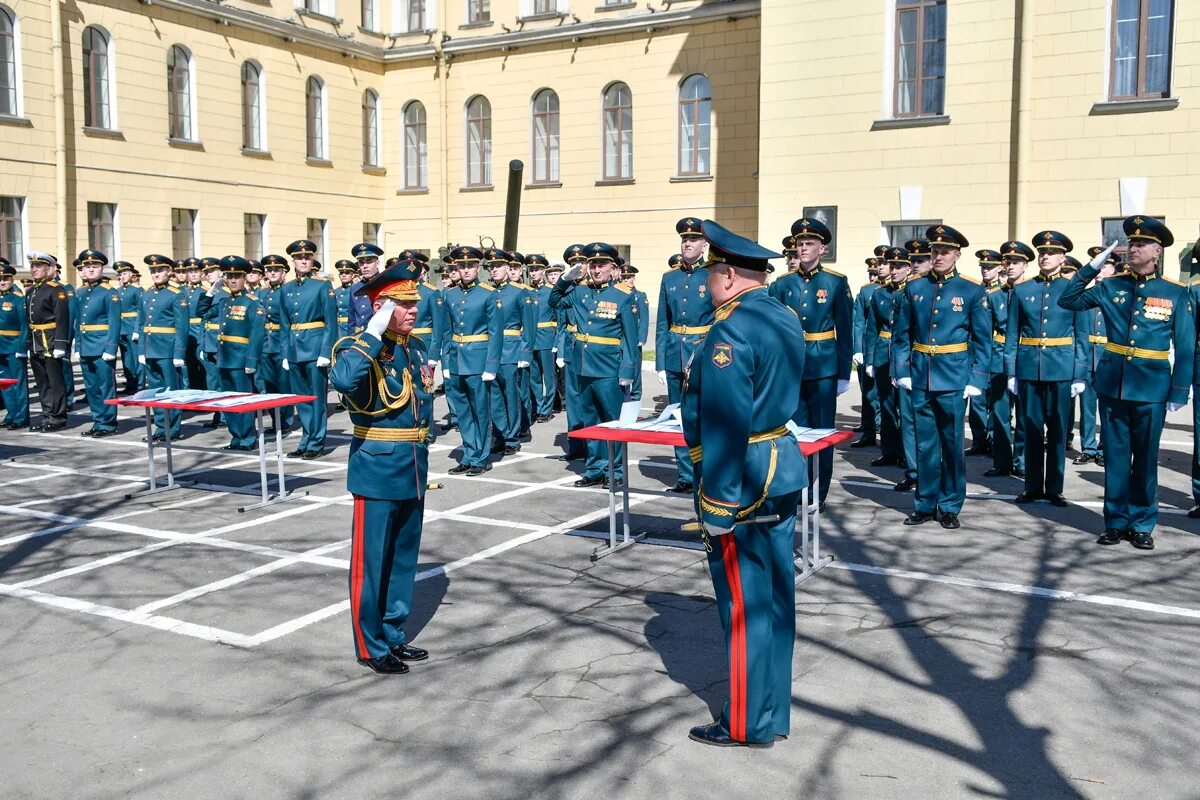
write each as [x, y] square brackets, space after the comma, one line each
[573, 274]
[1102, 256]
[379, 321]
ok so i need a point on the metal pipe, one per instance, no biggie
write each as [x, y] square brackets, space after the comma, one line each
[512, 206]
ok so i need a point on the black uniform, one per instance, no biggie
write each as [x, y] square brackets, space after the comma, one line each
[49, 330]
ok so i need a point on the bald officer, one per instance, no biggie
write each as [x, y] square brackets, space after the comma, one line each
[308, 325]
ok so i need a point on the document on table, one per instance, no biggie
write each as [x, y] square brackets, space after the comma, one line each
[181, 396]
[669, 421]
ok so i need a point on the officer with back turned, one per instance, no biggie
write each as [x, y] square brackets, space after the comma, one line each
[1146, 316]
[97, 332]
[14, 352]
[308, 328]
[741, 393]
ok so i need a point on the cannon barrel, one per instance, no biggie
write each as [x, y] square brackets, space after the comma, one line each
[512, 205]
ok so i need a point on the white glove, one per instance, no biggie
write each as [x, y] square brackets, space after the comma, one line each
[433, 362]
[905, 384]
[560, 363]
[379, 321]
[141, 359]
[285, 366]
[553, 349]
[1102, 256]
[250, 370]
[625, 382]
[1012, 385]
[488, 377]
[870, 372]
[1173, 407]
[713, 530]
[178, 362]
[1077, 388]
[971, 391]
[24, 354]
[322, 361]
[216, 286]
[858, 359]
[108, 356]
[59, 353]
[843, 387]
[522, 364]
[573, 273]
[446, 373]
[662, 377]
[135, 336]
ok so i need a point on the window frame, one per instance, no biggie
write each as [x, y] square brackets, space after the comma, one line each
[17, 221]
[18, 98]
[605, 108]
[260, 99]
[476, 13]
[547, 147]
[484, 124]
[186, 115]
[90, 76]
[919, 227]
[370, 128]
[316, 122]
[1140, 72]
[190, 225]
[317, 236]
[96, 228]
[371, 18]
[919, 7]
[247, 232]
[420, 147]
[698, 104]
[371, 231]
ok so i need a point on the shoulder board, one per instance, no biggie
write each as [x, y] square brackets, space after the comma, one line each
[722, 314]
[975, 281]
[52, 283]
[865, 285]
[487, 286]
[994, 289]
[318, 277]
[173, 289]
[622, 288]
[429, 285]
[1171, 280]
[832, 272]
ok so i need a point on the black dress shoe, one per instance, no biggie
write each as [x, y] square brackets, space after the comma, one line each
[905, 485]
[859, 429]
[512, 451]
[978, 450]
[158, 437]
[50, 427]
[717, 736]
[883, 461]
[309, 455]
[948, 520]
[239, 447]
[473, 471]
[385, 665]
[620, 482]
[1017, 472]
[821, 507]
[586, 481]
[683, 487]
[100, 434]
[1195, 512]
[866, 441]
[1081, 459]
[1028, 497]
[407, 652]
[212, 423]
[1099, 461]
[1111, 536]
[543, 417]
[297, 453]
[1142, 540]
[88, 432]
[918, 518]
[448, 428]
[996, 473]
[1057, 500]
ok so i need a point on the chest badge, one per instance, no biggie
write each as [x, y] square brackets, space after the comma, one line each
[702, 290]
[822, 295]
[956, 303]
[722, 355]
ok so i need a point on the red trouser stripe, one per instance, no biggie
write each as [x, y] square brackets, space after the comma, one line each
[737, 641]
[356, 576]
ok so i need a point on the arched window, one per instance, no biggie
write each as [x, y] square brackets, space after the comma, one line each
[181, 93]
[545, 137]
[370, 128]
[695, 131]
[10, 64]
[98, 108]
[618, 133]
[254, 117]
[314, 94]
[479, 141]
[416, 155]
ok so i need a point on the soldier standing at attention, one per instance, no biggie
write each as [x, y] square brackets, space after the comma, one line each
[862, 302]
[210, 328]
[685, 313]
[1043, 358]
[605, 354]
[162, 330]
[979, 412]
[254, 277]
[454, 399]
[430, 327]
[918, 255]
[1008, 438]
[47, 307]
[822, 300]
[1146, 317]
[877, 339]
[515, 322]
[575, 448]
[241, 329]
[271, 377]
[1093, 350]
[308, 326]
[367, 254]
[130, 292]
[387, 388]
[629, 278]
[742, 389]
[195, 374]
[347, 271]
[98, 331]
[542, 372]
[14, 344]
[942, 337]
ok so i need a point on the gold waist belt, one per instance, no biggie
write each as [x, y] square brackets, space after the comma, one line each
[775, 433]
[1044, 341]
[1136, 352]
[272, 326]
[998, 338]
[885, 334]
[343, 319]
[461, 338]
[819, 337]
[422, 331]
[1098, 339]
[690, 330]
[157, 329]
[212, 326]
[43, 326]
[235, 339]
[934, 349]
[93, 328]
[308, 326]
[10, 333]
[572, 329]
[391, 434]
[513, 331]
[195, 320]
[547, 324]
[589, 339]
[128, 314]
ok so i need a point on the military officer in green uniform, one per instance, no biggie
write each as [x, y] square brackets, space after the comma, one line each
[162, 336]
[979, 412]
[347, 271]
[862, 302]
[271, 377]
[1043, 359]
[629, 278]
[684, 315]
[130, 292]
[368, 255]
[942, 336]
[1146, 316]
[387, 387]
[14, 352]
[1008, 438]
[241, 329]
[517, 314]
[575, 448]
[543, 376]
[741, 394]
[877, 341]
[1093, 351]
[97, 333]
[308, 327]
[822, 300]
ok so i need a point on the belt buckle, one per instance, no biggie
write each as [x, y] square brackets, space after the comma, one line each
[933, 349]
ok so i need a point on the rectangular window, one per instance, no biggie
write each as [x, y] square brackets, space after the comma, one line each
[12, 238]
[252, 235]
[545, 6]
[102, 233]
[1141, 49]
[9, 49]
[370, 232]
[479, 11]
[368, 15]
[416, 15]
[920, 58]
[316, 232]
[901, 232]
[624, 250]
[183, 233]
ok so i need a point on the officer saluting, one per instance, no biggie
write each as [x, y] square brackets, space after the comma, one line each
[387, 390]
[98, 331]
[14, 341]
[241, 330]
[742, 390]
[1093, 350]
[308, 326]
[48, 309]
[1146, 317]
[943, 348]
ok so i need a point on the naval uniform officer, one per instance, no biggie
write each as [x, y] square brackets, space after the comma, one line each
[870, 400]
[14, 341]
[877, 340]
[47, 307]
[822, 300]
[943, 348]
[162, 339]
[1146, 316]
[605, 350]
[97, 334]
[542, 375]
[741, 394]
[130, 292]
[472, 357]
[1043, 359]
[685, 312]
[387, 388]
[308, 326]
